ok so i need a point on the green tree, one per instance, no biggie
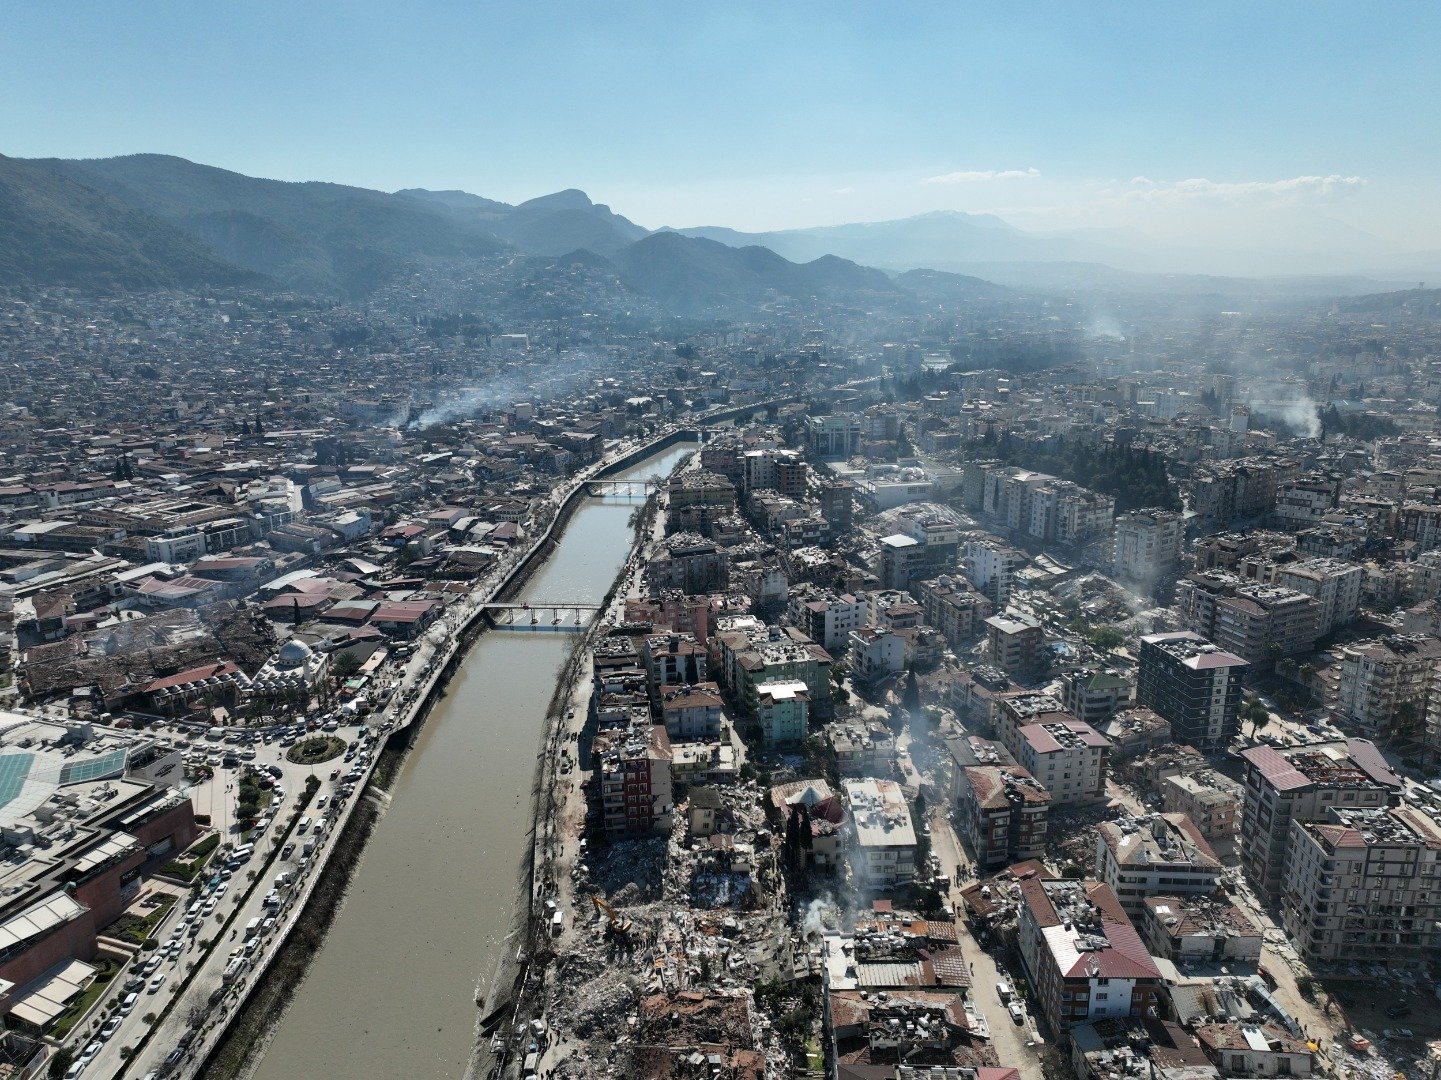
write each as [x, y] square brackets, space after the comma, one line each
[1107, 638]
[60, 1063]
[1253, 712]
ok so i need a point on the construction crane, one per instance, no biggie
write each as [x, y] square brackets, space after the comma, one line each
[616, 923]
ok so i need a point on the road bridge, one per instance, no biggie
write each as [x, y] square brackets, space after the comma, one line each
[632, 488]
[541, 615]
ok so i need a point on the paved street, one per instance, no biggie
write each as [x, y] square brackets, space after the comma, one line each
[1013, 1042]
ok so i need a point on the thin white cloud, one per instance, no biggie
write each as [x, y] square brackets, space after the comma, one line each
[1197, 188]
[844, 191]
[974, 175]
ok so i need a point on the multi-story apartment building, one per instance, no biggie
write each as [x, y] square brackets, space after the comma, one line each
[1305, 500]
[1014, 641]
[876, 654]
[1302, 783]
[1002, 811]
[673, 660]
[1046, 508]
[690, 563]
[1094, 696]
[747, 658]
[862, 749]
[1015, 709]
[783, 712]
[1069, 757]
[1421, 522]
[901, 559]
[1239, 490]
[1158, 855]
[1334, 583]
[1262, 622]
[1148, 544]
[1209, 799]
[991, 567]
[634, 790]
[882, 838]
[691, 712]
[1194, 686]
[954, 608]
[1066, 513]
[1364, 886]
[700, 488]
[1084, 958]
[826, 616]
[976, 694]
[1386, 683]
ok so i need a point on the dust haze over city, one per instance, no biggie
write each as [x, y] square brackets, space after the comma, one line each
[864, 542]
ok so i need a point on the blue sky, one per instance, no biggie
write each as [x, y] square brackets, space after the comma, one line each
[1182, 120]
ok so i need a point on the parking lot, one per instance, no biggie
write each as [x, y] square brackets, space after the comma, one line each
[238, 906]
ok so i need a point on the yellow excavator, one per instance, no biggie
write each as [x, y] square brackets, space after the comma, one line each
[616, 923]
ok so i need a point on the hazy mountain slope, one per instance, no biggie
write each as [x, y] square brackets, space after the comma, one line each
[457, 200]
[940, 287]
[554, 224]
[55, 230]
[937, 240]
[315, 237]
[693, 275]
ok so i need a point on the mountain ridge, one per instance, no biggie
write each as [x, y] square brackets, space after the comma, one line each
[94, 220]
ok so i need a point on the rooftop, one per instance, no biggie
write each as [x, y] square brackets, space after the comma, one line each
[1158, 839]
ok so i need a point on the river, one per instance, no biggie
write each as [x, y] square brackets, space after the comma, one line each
[391, 993]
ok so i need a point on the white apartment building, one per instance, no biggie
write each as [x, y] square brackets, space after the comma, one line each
[1148, 544]
[1158, 855]
[882, 839]
[1334, 583]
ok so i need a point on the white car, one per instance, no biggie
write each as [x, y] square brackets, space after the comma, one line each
[1018, 1014]
[156, 983]
[111, 1027]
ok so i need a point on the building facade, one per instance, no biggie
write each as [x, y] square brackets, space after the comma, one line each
[1194, 686]
[1302, 783]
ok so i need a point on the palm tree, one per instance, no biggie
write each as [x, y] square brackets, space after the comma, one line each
[1254, 712]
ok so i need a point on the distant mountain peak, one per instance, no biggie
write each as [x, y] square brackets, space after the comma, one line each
[569, 199]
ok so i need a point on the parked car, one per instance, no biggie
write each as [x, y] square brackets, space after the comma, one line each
[1018, 1014]
[156, 983]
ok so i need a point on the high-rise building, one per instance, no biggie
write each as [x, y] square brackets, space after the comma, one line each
[1194, 686]
[1362, 886]
[1302, 783]
[1148, 544]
